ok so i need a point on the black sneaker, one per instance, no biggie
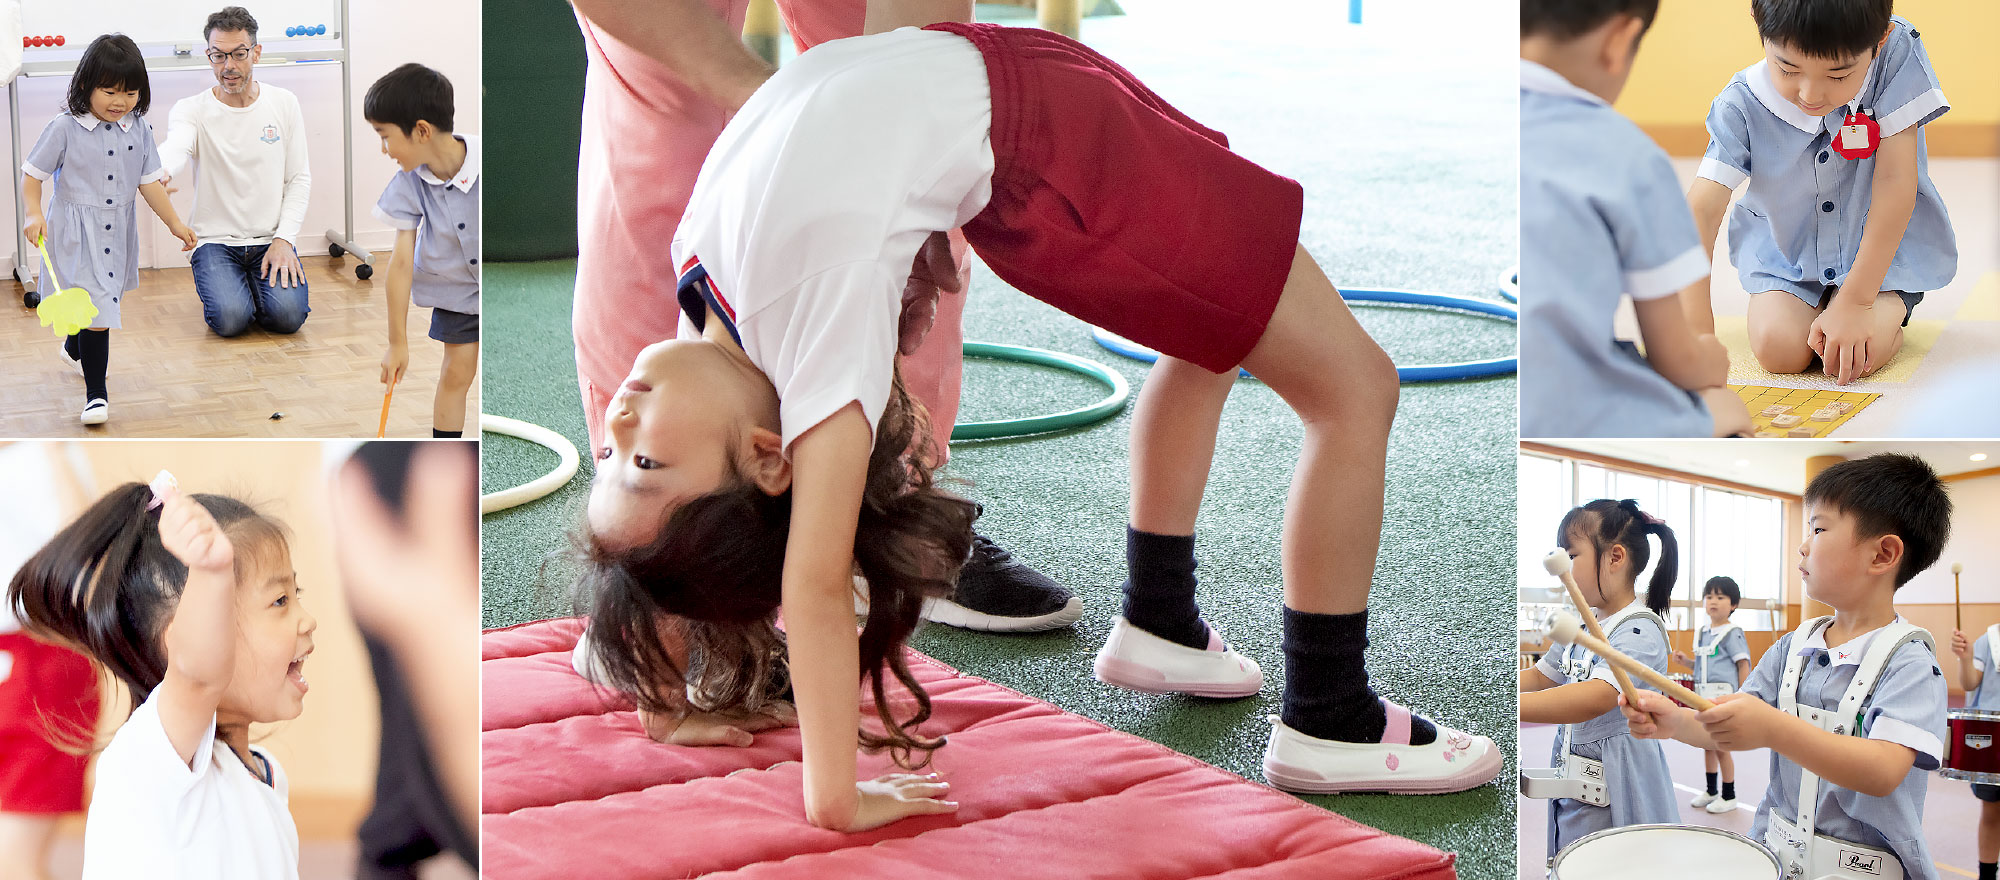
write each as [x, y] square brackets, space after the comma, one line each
[998, 593]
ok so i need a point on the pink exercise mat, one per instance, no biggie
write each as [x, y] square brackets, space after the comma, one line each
[573, 788]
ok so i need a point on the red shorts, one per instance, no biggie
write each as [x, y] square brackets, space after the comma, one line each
[42, 688]
[1113, 206]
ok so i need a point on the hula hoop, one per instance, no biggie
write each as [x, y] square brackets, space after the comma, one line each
[1510, 284]
[565, 468]
[1110, 406]
[1499, 366]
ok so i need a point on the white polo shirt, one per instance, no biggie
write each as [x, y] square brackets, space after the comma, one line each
[814, 200]
[153, 816]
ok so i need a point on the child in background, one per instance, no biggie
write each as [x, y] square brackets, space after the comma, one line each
[1841, 230]
[434, 206]
[1851, 706]
[1602, 218]
[1982, 691]
[1572, 687]
[91, 227]
[191, 602]
[1721, 661]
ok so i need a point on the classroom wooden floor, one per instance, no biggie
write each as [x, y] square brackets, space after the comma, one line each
[171, 377]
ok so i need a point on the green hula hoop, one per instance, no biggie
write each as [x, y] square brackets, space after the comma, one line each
[1110, 406]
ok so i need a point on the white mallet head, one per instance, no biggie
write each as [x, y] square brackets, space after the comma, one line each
[1958, 568]
[1557, 563]
[1564, 627]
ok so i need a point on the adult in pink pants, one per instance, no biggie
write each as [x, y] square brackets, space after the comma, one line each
[664, 76]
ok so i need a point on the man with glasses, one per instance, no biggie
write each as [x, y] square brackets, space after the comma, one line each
[250, 195]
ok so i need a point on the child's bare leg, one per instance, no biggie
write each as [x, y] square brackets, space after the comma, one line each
[1708, 760]
[27, 839]
[1989, 831]
[1173, 444]
[1887, 338]
[461, 365]
[1778, 323]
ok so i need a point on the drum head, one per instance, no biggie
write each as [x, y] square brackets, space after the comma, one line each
[1664, 852]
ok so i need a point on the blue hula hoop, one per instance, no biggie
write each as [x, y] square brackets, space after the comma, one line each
[1479, 369]
[1510, 284]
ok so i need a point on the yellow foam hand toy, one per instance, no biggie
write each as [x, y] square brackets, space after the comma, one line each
[67, 310]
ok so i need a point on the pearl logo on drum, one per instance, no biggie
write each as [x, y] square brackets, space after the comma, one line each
[1862, 862]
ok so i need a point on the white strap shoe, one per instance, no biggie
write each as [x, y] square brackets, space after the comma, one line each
[96, 412]
[1135, 659]
[1455, 761]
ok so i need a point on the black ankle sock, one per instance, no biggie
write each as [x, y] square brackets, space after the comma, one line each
[1711, 782]
[94, 350]
[1159, 587]
[1987, 870]
[1326, 681]
[437, 433]
[1729, 791]
[69, 347]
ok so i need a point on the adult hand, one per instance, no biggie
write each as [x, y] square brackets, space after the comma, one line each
[932, 274]
[403, 573]
[1840, 336]
[167, 181]
[35, 229]
[1740, 722]
[899, 796]
[717, 728]
[394, 362]
[1960, 646]
[281, 265]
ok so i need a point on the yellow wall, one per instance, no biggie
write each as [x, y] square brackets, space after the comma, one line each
[1695, 46]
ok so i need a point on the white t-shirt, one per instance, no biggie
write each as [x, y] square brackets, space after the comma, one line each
[254, 181]
[151, 816]
[814, 200]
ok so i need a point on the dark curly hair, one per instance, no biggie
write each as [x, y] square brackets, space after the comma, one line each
[231, 18]
[714, 577]
[112, 61]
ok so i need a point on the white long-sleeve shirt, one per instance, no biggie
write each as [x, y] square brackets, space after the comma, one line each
[254, 180]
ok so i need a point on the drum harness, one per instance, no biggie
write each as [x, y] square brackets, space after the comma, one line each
[1714, 647]
[1579, 778]
[1815, 856]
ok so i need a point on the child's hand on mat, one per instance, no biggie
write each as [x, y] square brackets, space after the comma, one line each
[394, 362]
[34, 230]
[1650, 714]
[1840, 335]
[899, 796]
[718, 728]
[185, 233]
[933, 273]
[1740, 722]
[190, 533]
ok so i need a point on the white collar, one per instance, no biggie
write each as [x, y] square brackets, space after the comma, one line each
[89, 121]
[1847, 653]
[468, 171]
[1637, 606]
[1759, 78]
[1536, 77]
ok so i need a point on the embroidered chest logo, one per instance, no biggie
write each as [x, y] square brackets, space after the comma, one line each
[270, 134]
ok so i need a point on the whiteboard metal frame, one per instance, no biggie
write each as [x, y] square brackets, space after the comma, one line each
[183, 60]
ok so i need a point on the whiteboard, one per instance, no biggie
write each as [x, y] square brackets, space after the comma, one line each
[168, 22]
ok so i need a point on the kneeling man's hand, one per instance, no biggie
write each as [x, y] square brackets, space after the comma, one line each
[281, 265]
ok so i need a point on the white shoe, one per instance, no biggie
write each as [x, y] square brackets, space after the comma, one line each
[62, 351]
[1720, 806]
[1135, 659]
[1702, 800]
[97, 412]
[1455, 761]
[580, 659]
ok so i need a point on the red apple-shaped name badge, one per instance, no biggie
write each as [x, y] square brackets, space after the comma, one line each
[1858, 136]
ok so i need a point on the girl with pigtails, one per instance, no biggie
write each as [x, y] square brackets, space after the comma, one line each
[1608, 545]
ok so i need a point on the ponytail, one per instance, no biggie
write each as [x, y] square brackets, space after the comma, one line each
[1608, 522]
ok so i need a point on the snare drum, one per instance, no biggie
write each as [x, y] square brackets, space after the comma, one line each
[1684, 680]
[1664, 852]
[1971, 751]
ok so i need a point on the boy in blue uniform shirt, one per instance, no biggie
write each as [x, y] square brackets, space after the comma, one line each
[1601, 218]
[1852, 706]
[434, 206]
[1721, 661]
[1835, 250]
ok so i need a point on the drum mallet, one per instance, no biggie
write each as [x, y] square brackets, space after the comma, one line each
[1957, 614]
[1564, 628]
[1558, 564]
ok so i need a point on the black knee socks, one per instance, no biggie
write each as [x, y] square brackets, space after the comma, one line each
[1159, 587]
[93, 348]
[1711, 782]
[1729, 791]
[435, 433]
[69, 347]
[1987, 871]
[1326, 681]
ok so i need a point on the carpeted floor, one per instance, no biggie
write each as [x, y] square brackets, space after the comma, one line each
[1391, 128]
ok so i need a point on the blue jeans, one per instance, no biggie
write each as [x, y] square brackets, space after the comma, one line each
[229, 279]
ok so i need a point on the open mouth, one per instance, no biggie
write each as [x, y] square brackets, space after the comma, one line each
[296, 672]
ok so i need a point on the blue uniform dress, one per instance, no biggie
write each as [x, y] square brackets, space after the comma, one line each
[1907, 708]
[1716, 661]
[1799, 226]
[1635, 770]
[93, 229]
[1602, 217]
[445, 214]
[1987, 696]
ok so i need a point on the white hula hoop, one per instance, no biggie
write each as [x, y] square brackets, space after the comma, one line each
[541, 485]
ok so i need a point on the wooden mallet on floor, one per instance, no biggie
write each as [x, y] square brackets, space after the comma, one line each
[1558, 564]
[1563, 627]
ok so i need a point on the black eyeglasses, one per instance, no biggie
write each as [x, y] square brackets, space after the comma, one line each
[215, 57]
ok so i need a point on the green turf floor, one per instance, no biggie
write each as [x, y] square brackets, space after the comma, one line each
[1404, 189]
